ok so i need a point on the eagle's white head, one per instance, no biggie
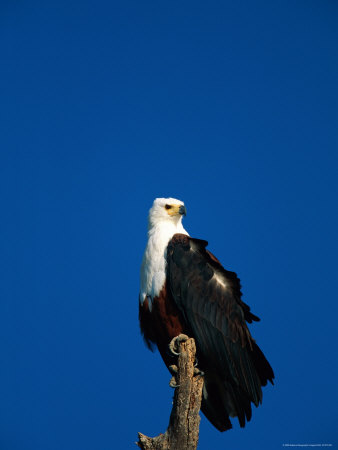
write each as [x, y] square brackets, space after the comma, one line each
[166, 211]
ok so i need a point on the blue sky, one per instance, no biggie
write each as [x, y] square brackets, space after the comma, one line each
[229, 106]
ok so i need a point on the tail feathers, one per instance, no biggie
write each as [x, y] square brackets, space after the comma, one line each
[262, 366]
[214, 410]
[221, 400]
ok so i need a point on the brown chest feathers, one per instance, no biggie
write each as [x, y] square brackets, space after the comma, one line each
[162, 323]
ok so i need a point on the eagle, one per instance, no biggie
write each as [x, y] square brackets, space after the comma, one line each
[186, 290]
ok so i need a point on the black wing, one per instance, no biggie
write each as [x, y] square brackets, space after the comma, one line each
[209, 298]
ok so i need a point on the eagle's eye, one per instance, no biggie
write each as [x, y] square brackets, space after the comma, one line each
[167, 206]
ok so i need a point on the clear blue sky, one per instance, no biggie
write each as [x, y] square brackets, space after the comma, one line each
[229, 106]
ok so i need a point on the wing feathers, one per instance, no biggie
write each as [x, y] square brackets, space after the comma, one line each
[209, 297]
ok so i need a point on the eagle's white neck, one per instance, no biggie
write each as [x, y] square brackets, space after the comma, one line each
[153, 269]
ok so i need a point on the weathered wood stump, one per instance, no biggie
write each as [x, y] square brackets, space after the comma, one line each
[183, 429]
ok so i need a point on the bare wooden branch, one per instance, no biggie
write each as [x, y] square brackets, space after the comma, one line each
[183, 429]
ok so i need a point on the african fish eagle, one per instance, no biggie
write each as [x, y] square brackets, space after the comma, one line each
[185, 289]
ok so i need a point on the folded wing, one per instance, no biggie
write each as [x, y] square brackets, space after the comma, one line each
[209, 298]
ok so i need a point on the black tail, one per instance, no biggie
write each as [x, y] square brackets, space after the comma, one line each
[263, 368]
[222, 400]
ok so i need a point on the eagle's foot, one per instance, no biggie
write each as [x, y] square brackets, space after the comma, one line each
[173, 369]
[175, 343]
[172, 383]
[198, 372]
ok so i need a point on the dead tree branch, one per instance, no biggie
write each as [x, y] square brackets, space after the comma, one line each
[183, 429]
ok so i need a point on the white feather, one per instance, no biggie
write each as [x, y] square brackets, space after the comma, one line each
[161, 228]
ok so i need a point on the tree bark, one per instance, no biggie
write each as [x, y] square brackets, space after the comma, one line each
[183, 429]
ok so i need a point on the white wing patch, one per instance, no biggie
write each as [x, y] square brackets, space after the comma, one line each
[219, 279]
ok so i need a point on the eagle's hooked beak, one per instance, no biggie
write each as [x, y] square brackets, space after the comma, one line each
[176, 210]
[182, 210]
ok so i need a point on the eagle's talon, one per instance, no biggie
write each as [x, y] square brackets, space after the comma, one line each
[172, 351]
[175, 343]
[173, 369]
[172, 383]
[198, 372]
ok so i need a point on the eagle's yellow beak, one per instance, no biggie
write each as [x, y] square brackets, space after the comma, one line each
[175, 210]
